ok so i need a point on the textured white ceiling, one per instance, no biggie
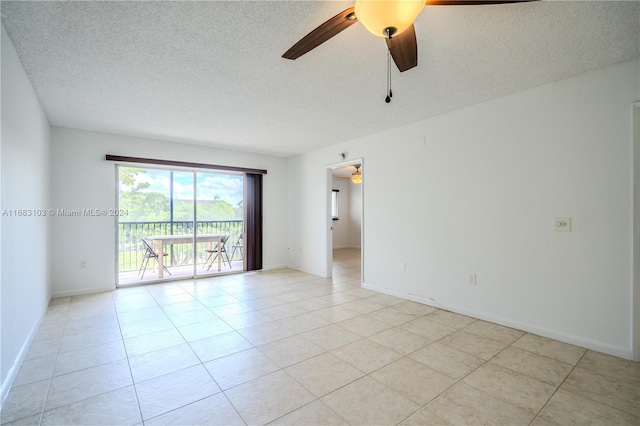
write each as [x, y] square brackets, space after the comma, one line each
[211, 73]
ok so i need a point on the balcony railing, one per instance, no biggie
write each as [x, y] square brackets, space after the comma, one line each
[130, 234]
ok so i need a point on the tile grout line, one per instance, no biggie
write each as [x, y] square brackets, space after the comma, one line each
[46, 395]
[210, 375]
[283, 369]
[283, 288]
[599, 375]
[347, 362]
[53, 369]
[557, 388]
[133, 382]
[458, 381]
[207, 370]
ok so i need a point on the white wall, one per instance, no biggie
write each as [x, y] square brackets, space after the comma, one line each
[346, 230]
[82, 179]
[342, 226]
[355, 215]
[482, 186]
[25, 289]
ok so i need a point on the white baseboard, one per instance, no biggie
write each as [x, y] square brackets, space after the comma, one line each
[617, 351]
[81, 291]
[272, 267]
[310, 271]
[15, 368]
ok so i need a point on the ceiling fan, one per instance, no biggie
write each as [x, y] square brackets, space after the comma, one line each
[356, 177]
[391, 19]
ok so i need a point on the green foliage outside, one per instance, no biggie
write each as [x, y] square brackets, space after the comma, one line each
[152, 206]
[144, 205]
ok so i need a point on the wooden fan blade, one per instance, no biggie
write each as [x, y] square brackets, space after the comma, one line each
[471, 2]
[324, 32]
[404, 49]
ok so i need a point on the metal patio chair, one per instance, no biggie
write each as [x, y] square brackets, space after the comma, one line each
[149, 254]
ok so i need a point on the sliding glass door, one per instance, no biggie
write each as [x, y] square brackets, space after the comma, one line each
[220, 221]
[178, 224]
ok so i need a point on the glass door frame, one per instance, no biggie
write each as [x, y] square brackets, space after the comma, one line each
[195, 273]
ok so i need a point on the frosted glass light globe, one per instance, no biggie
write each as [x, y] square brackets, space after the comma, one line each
[378, 15]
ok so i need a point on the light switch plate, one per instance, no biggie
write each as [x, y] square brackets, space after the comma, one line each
[562, 224]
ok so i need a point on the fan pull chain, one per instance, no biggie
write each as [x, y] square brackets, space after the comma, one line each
[389, 92]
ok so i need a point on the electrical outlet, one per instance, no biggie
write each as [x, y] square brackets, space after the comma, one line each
[472, 279]
[404, 265]
[83, 264]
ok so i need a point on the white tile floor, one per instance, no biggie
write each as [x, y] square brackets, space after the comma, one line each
[284, 347]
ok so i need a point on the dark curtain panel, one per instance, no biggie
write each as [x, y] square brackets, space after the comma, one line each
[253, 223]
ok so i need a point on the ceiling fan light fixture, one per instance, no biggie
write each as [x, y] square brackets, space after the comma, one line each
[356, 177]
[379, 15]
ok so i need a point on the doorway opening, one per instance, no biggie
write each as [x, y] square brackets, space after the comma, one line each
[345, 255]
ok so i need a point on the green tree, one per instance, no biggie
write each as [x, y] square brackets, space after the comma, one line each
[215, 210]
[145, 206]
[128, 179]
[141, 205]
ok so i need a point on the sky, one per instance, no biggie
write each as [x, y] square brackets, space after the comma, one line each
[226, 186]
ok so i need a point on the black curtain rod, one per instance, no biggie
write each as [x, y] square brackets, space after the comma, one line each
[124, 159]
